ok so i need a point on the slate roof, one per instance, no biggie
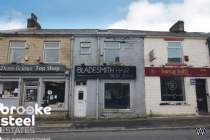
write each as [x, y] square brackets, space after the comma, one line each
[99, 32]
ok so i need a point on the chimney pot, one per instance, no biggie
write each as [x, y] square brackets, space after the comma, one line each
[33, 16]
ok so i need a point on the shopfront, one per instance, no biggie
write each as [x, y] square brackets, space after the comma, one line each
[177, 91]
[44, 84]
[110, 88]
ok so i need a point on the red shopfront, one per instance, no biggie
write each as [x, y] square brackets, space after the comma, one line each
[174, 87]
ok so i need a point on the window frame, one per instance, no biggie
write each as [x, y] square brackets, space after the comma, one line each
[85, 53]
[130, 95]
[183, 90]
[51, 48]
[11, 53]
[175, 47]
[111, 48]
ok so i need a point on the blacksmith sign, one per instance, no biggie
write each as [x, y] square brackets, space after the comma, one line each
[39, 68]
[105, 72]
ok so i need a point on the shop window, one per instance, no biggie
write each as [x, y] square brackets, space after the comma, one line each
[172, 89]
[112, 52]
[117, 96]
[54, 94]
[17, 51]
[85, 48]
[9, 89]
[51, 52]
[174, 52]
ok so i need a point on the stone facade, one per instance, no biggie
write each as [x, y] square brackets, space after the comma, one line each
[34, 49]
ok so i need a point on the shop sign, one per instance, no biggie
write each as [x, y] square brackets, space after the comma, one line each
[186, 72]
[39, 68]
[105, 72]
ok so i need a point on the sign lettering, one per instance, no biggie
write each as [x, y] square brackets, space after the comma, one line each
[31, 68]
[105, 72]
[187, 72]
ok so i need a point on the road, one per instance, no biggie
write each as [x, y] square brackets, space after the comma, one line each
[180, 134]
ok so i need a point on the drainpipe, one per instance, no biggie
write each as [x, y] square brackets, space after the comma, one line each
[71, 80]
[21, 91]
[97, 85]
[208, 44]
[97, 98]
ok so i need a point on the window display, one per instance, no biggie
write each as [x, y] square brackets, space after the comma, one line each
[54, 94]
[9, 89]
[117, 96]
[172, 89]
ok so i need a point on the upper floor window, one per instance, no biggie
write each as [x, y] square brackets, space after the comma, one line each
[17, 51]
[111, 51]
[51, 51]
[174, 52]
[85, 47]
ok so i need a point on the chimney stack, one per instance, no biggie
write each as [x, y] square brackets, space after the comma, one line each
[32, 22]
[178, 27]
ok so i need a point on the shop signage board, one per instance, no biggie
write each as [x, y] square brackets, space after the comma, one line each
[38, 68]
[185, 72]
[105, 72]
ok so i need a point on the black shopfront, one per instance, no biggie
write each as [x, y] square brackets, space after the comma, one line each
[109, 87]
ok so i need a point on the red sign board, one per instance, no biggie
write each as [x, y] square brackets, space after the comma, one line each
[185, 72]
[173, 39]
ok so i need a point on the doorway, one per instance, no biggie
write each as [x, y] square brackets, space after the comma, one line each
[201, 96]
[80, 100]
[31, 92]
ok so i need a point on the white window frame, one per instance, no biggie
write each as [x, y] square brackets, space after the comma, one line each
[130, 95]
[85, 53]
[175, 48]
[44, 54]
[110, 48]
[11, 53]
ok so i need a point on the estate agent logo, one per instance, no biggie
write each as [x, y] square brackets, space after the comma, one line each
[25, 120]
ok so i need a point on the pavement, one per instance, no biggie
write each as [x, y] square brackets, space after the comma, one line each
[178, 134]
[111, 125]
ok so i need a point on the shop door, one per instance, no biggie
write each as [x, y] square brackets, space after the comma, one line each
[201, 95]
[30, 95]
[80, 101]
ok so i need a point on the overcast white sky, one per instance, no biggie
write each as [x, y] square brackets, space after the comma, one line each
[145, 15]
